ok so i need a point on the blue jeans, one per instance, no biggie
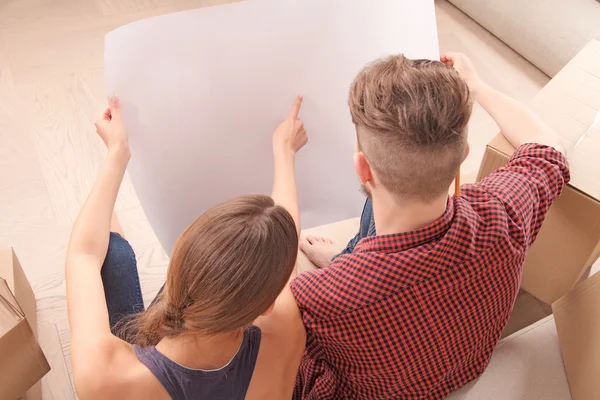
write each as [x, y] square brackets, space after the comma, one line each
[121, 280]
[367, 228]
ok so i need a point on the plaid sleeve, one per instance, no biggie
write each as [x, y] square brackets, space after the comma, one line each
[531, 181]
[310, 292]
[307, 290]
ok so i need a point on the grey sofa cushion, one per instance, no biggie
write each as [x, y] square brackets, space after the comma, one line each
[526, 365]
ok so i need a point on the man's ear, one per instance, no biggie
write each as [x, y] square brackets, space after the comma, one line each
[467, 151]
[362, 168]
[269, 310]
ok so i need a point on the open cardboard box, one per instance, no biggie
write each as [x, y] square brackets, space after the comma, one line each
[22, 362]
[569, 241]
[577, 316]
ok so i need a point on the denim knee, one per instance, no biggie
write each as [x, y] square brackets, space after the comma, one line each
[119, 253]
[121, 280]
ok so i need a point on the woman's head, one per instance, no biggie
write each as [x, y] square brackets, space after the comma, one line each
[226, 269]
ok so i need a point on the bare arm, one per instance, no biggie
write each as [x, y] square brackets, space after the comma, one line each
[517, 122]
[87, 250]
[285, 192]
[289, 138]
[88, 313]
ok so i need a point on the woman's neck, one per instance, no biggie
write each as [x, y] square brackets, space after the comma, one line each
[202, 351]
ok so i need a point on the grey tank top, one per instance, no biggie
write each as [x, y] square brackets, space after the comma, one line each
[226, 383]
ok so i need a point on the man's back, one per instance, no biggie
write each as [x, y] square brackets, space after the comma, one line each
[416, 315]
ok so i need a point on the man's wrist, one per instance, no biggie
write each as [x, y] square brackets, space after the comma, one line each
[476, 88]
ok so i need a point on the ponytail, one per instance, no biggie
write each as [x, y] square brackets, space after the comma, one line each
[226, 269]
[151, 326]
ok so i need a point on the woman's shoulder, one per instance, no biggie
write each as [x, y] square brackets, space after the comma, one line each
[281, 348]
[283, 332]
[114, 371]
[284, 323]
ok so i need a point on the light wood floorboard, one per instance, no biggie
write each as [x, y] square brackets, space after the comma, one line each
[52, 88]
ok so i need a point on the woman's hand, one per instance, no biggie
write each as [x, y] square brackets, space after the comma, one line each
[290, 136]
[111, 129]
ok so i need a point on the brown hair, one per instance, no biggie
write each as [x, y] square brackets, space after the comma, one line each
[226, 269]
[411, 118]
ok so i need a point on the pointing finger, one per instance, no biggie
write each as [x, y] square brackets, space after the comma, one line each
[296, 107]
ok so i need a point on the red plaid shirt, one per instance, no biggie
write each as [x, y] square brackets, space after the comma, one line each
[417, 315]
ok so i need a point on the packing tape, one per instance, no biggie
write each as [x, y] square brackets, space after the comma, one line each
[593, 130]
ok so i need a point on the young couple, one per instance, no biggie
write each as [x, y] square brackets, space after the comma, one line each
[412, 308]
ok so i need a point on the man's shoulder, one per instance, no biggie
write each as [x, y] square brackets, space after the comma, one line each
[335, 271]
[315, 282]
[340, 288]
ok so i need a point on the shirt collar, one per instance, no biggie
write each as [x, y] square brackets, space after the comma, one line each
[397, 242]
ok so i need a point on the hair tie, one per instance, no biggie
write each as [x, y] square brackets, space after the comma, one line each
[174, 317]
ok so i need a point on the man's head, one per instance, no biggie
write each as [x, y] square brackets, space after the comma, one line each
[411, 120]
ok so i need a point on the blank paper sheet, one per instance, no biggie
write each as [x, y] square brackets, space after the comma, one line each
[203, 90]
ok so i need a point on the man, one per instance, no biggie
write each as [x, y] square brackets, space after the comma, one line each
[416, 303]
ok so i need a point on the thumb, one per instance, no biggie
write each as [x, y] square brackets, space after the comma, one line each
[100, 124]
[115, 106]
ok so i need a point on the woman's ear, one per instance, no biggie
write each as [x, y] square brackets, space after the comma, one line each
[362, 168]
[269, 310]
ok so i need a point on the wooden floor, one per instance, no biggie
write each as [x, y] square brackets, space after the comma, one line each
[51, 90]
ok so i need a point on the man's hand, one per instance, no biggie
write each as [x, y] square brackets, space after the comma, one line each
[517, 123]
[463, 65]
[290, 136]
[111, 129]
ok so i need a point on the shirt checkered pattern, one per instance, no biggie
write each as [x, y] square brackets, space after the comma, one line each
[417, 315]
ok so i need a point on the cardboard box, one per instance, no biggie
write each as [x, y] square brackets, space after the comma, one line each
[22, 362]
[556, 358]
[569, 241]
[577, 316]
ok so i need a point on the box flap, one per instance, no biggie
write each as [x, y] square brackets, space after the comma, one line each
[8, 299]
[570, 104]
[500, 144]
[561, 252]
[10, 312]
[12, 272]
[577, 316]
[491, 161]
[6, 266]
[22, 363]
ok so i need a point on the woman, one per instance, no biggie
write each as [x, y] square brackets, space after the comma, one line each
[215, 331]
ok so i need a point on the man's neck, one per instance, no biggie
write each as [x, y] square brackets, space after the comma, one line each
[392, 216]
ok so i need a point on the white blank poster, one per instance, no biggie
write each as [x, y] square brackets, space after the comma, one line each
[203, 90]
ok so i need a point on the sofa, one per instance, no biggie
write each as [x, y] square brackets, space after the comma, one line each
[548, 33]
[526, 365]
